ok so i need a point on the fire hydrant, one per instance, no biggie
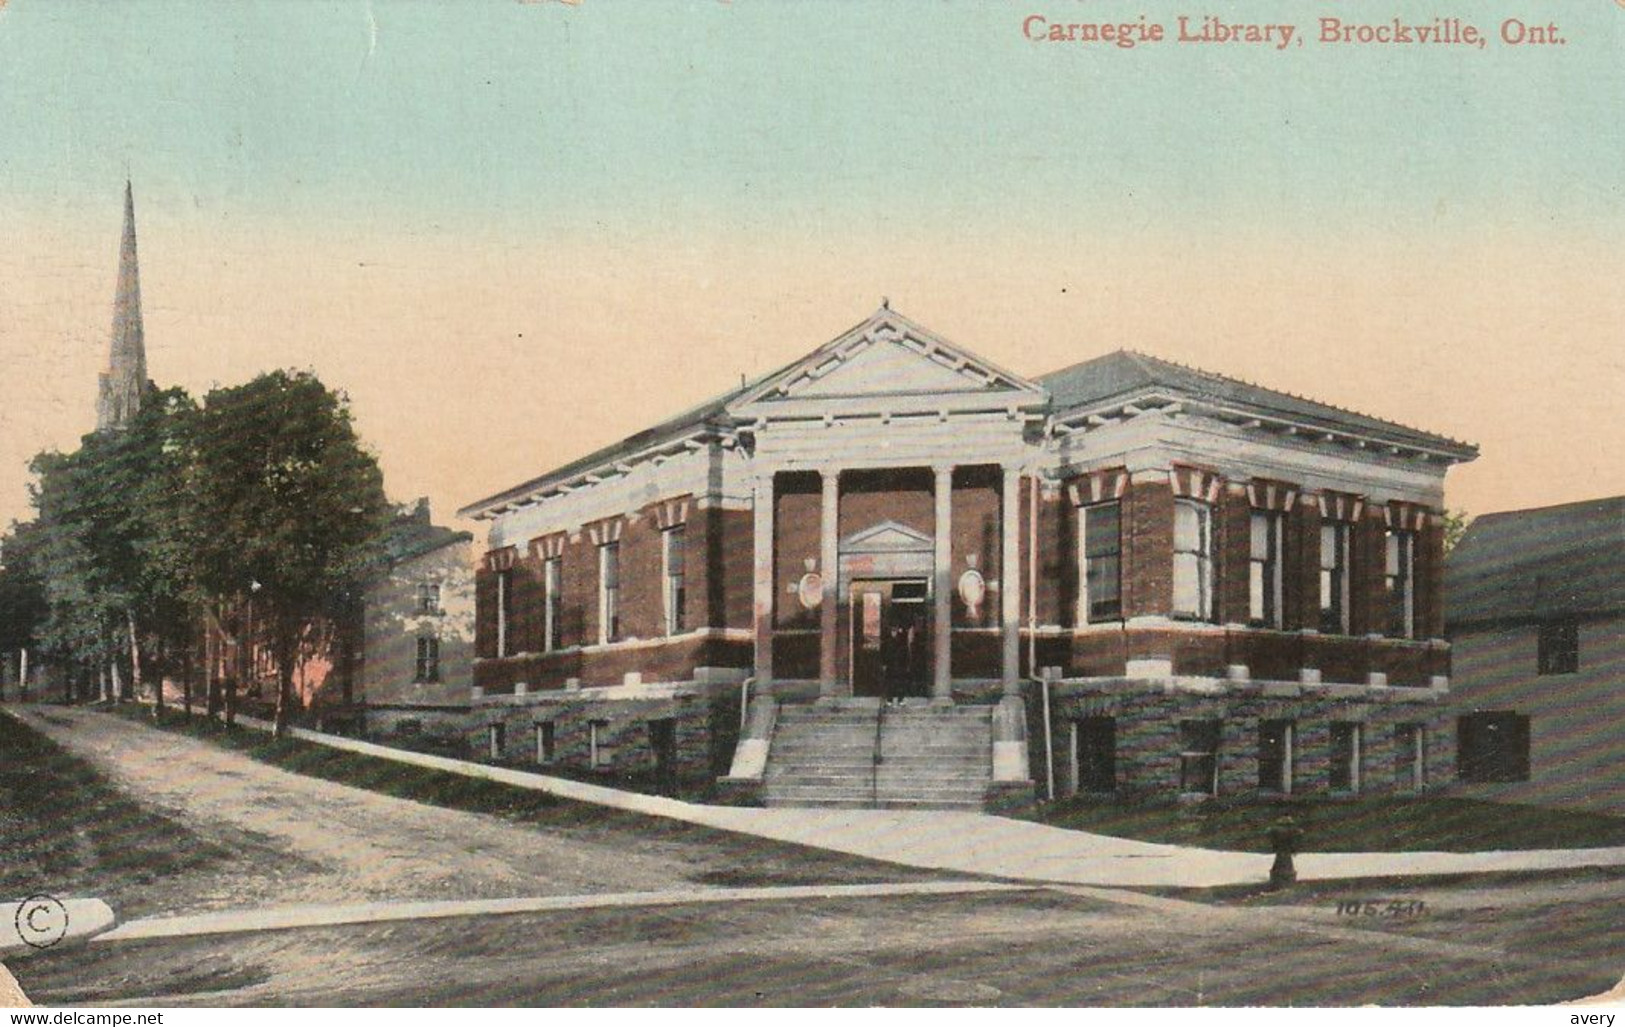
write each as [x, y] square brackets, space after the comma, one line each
[1285, 835]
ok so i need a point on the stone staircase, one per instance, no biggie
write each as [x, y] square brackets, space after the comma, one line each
[861, 754]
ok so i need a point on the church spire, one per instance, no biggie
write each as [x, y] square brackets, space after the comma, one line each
[126, 378]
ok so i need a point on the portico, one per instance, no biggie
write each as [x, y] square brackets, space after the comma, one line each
[872, 562]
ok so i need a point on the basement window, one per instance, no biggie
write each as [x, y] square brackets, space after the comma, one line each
[598, 751]
[1199, 757]
[1345, 766]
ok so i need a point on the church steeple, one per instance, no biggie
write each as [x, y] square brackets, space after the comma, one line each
[126, 378]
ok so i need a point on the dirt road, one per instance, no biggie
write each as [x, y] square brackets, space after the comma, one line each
[298, 839]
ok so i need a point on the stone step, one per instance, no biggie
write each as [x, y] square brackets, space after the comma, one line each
[852, 782]
[809, 750]
[870, 802]
[818, 793]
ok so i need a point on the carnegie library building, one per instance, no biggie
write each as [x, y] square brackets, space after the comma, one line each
[894, 573]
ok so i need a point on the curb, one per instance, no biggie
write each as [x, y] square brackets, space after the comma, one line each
[39, 922]
[293, 917]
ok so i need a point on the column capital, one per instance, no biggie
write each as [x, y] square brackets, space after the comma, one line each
[943, 470]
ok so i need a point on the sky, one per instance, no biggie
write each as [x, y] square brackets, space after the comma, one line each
[515, 231]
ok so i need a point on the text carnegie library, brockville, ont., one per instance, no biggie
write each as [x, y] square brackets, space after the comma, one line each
[1327, 30]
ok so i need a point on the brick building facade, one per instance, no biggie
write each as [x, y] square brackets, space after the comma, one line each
[1199, 585]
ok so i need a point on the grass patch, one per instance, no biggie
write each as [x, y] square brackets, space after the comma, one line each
[67, 830]
[1370, 824]
[387, 777]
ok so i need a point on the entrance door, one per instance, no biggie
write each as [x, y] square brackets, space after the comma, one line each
[891, 643]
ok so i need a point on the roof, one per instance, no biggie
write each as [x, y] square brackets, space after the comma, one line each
[1125, 373]
[679, 425]
[1094, 382]
[711, 411]
[1528, 564]
[411, 534]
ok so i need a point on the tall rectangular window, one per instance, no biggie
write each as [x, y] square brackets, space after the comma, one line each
[1334, 578]
[1199, 757]
[1264, 569]
[552, 603]
[1193, 559]
[1101, 544]
[609, 592]
[504, 610]
[672, 541]
[1345, 765]
[428, 597]
[1399, 580]
[1559, 646]
[1275, 756]
[428, 659]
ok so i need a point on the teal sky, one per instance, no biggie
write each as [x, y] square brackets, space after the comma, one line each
[550, 224]
[663, 114]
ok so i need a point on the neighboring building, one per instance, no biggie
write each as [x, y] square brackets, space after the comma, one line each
[418, 633]
[1536, 614]
[1235, 590]
[393, 663]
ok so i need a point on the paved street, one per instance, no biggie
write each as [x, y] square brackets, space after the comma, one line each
[1040, 947]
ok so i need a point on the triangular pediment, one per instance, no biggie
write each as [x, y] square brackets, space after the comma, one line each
[887, 537]
[888, 355]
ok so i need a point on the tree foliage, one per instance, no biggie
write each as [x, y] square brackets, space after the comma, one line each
[1455, 526]
[285, 508]
[260, 500]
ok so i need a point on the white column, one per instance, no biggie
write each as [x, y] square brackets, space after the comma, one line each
[942, 625]
[1010, 579]
[829, 568]
[762, 569]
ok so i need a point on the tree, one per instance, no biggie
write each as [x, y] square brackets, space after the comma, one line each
[283, 507]
[79, 561]
[23, 606]
[107, 518]
[1455, 526]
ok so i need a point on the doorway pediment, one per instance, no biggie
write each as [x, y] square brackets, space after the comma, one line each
[887, 537]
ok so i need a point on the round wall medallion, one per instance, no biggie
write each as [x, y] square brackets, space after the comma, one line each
[810, 590]
[972, 590]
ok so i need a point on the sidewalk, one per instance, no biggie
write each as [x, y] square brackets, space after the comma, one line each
[976, 843]
[1016, 849]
